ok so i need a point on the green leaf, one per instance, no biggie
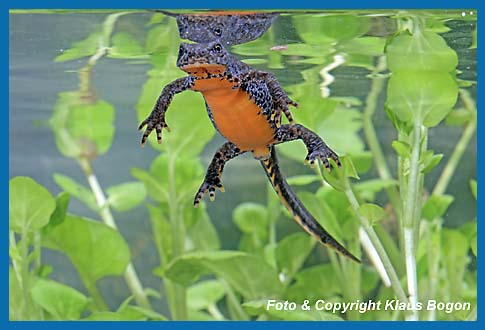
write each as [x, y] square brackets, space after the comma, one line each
[202, 233]
[342, 131]
[204, 294]
[154, 188]
[368, 189]
[324, 284]
[431, 162]
[324, 215]
[15, 297]
[302, 49]
[455, 248]
[473, 188]
[473, 245]
[126, 196]
[44, 271]
[372, 212]
[436, 206]
[162, 230]
[95, 249]
[362, 161]
[83, 48]
[258, 47]
[160, 38]
[400, 125]
[436, 25]
[292, 251]
[427, 96]
[82, 125]
[337, 125]
[76, 190]
[59, 214]
[313, 107]
[402, 148]
[337, 176]
[184, 172]
[422, 51]
[199, 316]
[251, 218]
[137, 313]
[108, 316]
[460, 117]
[469, 229]
[371, 46]
[125, 45]
[30, 205]
[474, 39]
[331, 28]
[249, 275]
[302, 180]
[61, 301]
[92, 126]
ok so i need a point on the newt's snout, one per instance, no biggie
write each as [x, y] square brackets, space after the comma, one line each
[210, 53]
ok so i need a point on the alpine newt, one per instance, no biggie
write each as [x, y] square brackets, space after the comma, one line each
[245, 105]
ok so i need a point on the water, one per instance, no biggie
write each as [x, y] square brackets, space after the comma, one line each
[35, 81]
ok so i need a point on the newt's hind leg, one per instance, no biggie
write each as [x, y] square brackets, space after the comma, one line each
[314, 144]
[214, 172]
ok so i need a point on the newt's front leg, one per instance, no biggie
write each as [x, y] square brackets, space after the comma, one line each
[156, 119]
[314, 144]
[212, 179]
[279, 98]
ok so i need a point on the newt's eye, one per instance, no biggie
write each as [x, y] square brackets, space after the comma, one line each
[218, 48]
[217, 31]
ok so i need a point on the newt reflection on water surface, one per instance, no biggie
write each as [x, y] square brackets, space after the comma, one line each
[229, 28]
[245, 105]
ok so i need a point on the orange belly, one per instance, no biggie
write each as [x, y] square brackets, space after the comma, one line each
[236, 116]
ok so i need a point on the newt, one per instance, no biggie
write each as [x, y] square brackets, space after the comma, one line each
[245, 106]
[227, 27]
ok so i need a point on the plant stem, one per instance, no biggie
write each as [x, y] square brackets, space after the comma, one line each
[178, 303]
[434, 255]
[273, 207]
[96, 295]
[232, 300]
[15, 265]
[215, 312]
[410, 220]
[374, 256]
[130, 274]
[101, 51]
[25, 274]
[371, 136]
[459, 150]
[396, 285]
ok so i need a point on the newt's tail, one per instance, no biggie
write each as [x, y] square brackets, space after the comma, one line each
[301, 215]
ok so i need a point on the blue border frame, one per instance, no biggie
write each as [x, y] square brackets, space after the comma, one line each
[6, 5]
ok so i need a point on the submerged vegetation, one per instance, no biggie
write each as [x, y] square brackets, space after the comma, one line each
[381, 206]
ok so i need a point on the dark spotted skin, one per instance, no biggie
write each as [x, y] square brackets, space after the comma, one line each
[245, 106]
[228, 28]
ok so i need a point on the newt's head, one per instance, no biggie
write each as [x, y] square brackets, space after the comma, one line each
[208, 57]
